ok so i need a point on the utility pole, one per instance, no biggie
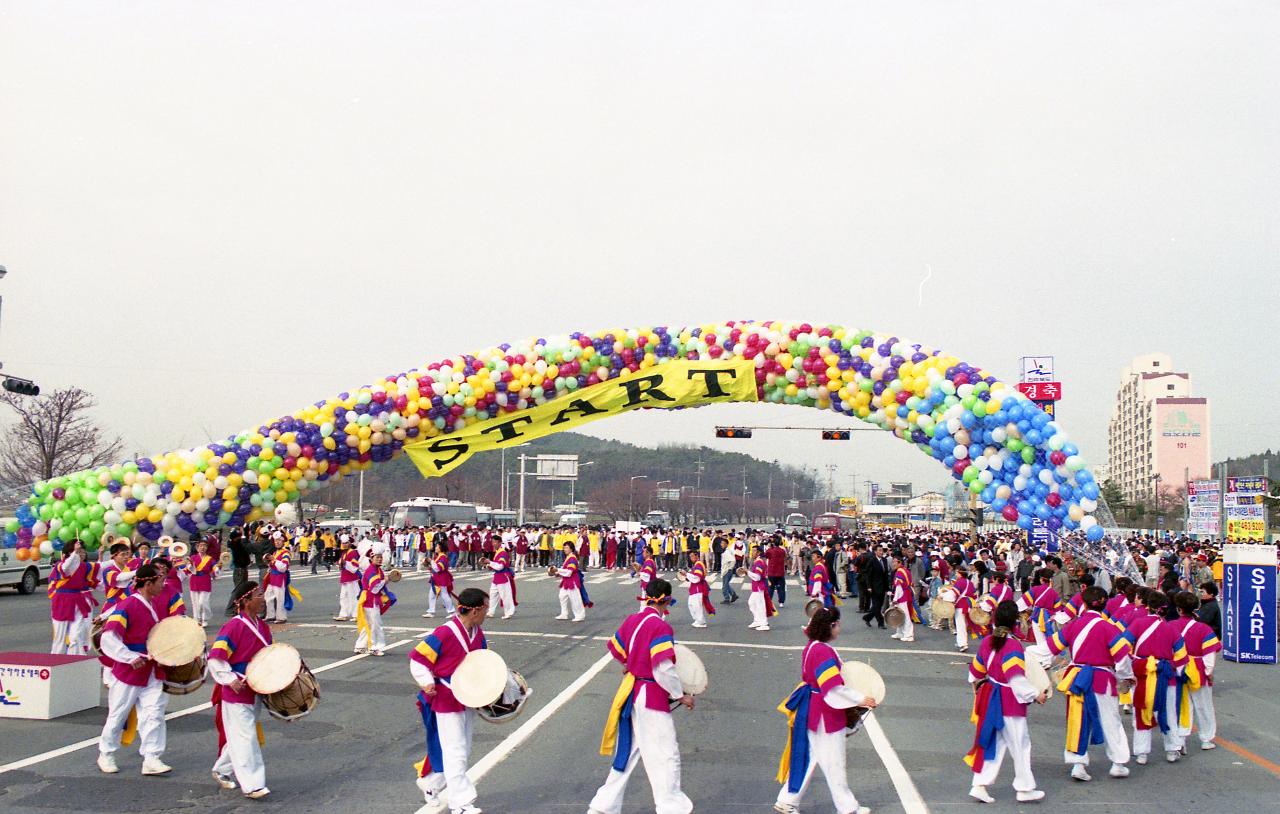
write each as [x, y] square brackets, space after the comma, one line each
[744, 494]
[768, 497]
[520, 514]
[502, 480]
[831, 486]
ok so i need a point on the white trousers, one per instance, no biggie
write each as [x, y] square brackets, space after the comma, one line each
[1016, 740]
[826, 751]
[696, 610]
[1173, 741]
[200, 606]
[71, 637]
[432, 594]
[1203, 714]
[373, 638]
[348, 595]
[907, 630]
[654, 742]
[151, 703]
[571, 600]
[522, 562]
[455, 745]
[274, 596]
[1112, 730]
[755, 604]
[241, 755]
[593, 561]
[501, 595]
[962, 629]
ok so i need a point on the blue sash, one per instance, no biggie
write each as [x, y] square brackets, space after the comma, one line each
[1164, 672]
[798, 703]
[1090, 725]
[435, 756]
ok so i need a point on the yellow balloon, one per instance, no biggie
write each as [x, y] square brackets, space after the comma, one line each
[154, 516]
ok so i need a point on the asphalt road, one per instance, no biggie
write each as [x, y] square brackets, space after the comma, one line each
[356, 751]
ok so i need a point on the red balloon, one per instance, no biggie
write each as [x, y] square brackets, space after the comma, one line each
[1010, 513]
[1053, 498]
[1057, 458]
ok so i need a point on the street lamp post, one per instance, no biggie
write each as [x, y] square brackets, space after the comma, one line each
[574, 482]
[631, 501]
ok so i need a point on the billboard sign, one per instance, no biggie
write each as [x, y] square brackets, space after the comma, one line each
[1246, 516]
[1249, 603]
[1204, 507]
[1037, 368]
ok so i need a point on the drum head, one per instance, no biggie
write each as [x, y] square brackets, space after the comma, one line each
[947, 595]
[979, 616]
[895, 617]
[176, 640]
[1036, 674]
[692, 672]
[943, 608]
[479, 679]
[394, 575]
[273, 668]
[863, 678]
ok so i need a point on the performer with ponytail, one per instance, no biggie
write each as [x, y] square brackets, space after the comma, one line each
[816, 713]
[235, 705]
[1001, 695]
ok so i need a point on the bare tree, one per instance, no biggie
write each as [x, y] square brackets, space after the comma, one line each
[54, 436]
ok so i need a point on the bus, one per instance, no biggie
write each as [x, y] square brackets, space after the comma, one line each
[834, 523]
[432, 511]
[497, 518]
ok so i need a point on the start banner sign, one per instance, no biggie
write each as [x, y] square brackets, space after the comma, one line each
[1249, 603]
[667, 386]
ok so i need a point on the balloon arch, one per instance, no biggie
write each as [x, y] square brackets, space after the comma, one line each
[1007, 452]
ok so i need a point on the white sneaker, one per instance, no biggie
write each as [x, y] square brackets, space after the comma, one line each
[107, 763]
[504, 616]
[1119, 770]
[980, 794]
[1172, 757]
[1078, 772]
[154, 765]
[905, 639]
[785, 808]
[583, 619]
[379, 653]
[1032, 796]
[896, 636]
[1141, 760]
[224, 780]
[428, 616]
[699, 624]
[467, 809]
[432, 798]
[1207, 745]
[257, 794]
[763, 628]
[562, 618]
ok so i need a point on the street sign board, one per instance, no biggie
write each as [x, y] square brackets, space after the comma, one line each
[1037, 368]
[1041, 391]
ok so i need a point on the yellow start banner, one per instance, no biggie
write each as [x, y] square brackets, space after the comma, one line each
[678, 383]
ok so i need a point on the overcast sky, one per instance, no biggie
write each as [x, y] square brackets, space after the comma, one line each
[215, 213]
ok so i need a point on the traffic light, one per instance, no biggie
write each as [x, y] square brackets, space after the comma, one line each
[733, 432]
[22, 387]
[835, 435]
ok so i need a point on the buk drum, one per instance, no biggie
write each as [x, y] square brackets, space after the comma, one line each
[510, 704]
[942, 609]
[979, 616]
[1038, 676]
[289, 690]
[178, 645]
[895, 617]
[863, 679]
[95, 632]
[691, 670]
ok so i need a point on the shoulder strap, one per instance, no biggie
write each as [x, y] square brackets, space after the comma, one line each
[254, 630]
[1084, 634]
[1146, 634]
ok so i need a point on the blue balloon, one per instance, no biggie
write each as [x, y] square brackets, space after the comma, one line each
[1025, 522]
[1090, 490]
[1094, 534]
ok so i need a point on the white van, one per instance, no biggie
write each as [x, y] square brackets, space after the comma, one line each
[21, 574]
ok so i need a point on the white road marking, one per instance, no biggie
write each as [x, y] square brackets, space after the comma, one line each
[512, 741]
[84, 744]
[912, 802]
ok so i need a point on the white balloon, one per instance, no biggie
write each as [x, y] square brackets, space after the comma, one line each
[1088, 504]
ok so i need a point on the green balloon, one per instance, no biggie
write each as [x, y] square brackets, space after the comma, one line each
[1028, 455]
[159, 476]
[123, 529]
[59, 507]
[82, 515]
[66, 534]
[11, 526]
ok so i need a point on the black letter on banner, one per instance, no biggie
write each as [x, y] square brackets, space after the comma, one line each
[455, 445]
[577, 406]
[637, 389]
[508, 428]
[711, 377]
